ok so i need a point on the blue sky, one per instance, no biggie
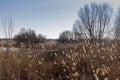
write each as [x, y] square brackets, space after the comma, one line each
[48, 17]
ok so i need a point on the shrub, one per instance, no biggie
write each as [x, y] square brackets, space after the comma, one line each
[28, 36]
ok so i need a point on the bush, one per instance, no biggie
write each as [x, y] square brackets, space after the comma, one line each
[28, 36]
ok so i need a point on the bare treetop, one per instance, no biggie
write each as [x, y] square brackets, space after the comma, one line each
[94, 20]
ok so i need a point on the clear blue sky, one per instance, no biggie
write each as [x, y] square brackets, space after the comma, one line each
[48, 17]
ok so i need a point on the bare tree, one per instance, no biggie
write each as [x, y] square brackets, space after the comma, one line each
[104, 18]
[117, 25]
[28, 37]
[94, 20]
[78, 31]
[41, 38]
[8, 27]
[25, 36]
[66, 36]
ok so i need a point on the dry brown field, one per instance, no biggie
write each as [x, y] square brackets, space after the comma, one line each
[68, 61]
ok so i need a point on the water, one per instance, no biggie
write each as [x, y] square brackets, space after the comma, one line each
[14, 49]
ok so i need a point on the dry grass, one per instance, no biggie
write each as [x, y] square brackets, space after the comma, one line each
[82, 61]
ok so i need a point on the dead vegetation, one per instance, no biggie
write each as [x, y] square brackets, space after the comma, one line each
[77, 61]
